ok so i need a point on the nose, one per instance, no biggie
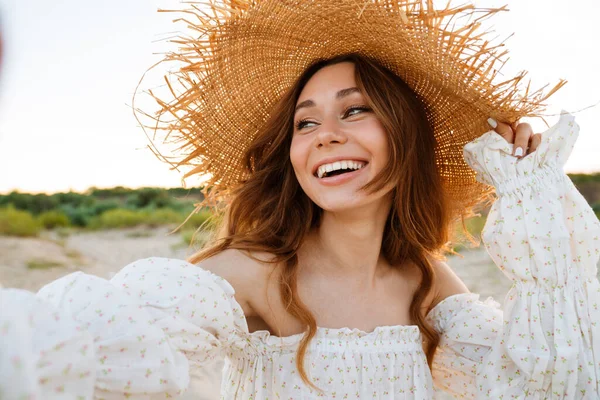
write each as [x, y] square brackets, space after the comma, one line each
[330, 134]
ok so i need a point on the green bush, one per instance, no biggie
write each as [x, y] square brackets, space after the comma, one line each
[163, 216]
[33, 203]
[148, 197]
[79, 215]
[118, 218]
[116, 192]
[41, 203]
[20, 201]
[54, 219]
[101, 206]
[72, 199]
[18, 223]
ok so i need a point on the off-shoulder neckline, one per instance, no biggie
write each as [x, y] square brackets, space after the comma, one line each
[326, 331]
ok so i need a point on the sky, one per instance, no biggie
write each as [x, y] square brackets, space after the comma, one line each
[70, 69]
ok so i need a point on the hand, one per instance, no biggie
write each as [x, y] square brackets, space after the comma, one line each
[520, 134]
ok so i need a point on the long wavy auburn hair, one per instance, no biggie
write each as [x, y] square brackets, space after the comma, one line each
[270, 212]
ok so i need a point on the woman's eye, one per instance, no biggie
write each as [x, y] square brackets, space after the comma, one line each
[303, 124]
[350, 111]
[356, 110]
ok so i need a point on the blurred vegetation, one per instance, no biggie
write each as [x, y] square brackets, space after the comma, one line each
[23, 214]
[589, 186]
[15, 222]
[474, 226]
[54, 219]
[43, 264]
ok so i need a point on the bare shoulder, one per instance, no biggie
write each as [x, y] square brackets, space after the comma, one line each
[446, 283]
[248, 276]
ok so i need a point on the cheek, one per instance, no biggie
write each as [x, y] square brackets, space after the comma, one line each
[384, 148]
[298, 157]
[379, 144]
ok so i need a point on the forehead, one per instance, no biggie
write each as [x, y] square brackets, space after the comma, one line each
[329, 80]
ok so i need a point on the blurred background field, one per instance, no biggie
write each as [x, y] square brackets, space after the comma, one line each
[43, 237]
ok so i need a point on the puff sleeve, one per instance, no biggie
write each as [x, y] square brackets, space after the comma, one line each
[150, 332]
[544, 236]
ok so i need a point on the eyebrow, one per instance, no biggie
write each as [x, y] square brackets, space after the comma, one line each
[339, 95]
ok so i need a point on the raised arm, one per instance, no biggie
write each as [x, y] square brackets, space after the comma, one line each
[545, 237]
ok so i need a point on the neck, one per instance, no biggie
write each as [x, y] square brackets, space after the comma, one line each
[349, 243]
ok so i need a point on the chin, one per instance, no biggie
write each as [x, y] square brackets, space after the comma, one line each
[342, 204]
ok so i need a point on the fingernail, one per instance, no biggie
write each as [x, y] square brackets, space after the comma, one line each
[518, 152]
[492, 122]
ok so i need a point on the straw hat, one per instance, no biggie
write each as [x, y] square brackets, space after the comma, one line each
[242, 55]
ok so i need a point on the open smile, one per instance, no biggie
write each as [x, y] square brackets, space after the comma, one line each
[340, 176]
[329, 168]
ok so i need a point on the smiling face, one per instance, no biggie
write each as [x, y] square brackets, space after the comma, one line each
[338, 144]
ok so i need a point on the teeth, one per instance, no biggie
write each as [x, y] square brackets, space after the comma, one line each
[343, 164]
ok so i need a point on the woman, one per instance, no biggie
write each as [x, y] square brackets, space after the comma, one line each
[327, 279]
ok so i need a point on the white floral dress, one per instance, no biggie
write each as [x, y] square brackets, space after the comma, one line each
[157, 328]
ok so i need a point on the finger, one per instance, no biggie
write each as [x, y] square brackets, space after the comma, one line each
[502, 129]
[522, 136]
[535, 141]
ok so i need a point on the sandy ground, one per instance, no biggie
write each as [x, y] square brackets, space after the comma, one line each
[28, 262]
[100, 253]
[104, 253]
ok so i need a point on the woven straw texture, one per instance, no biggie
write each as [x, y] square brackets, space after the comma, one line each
[240, 56]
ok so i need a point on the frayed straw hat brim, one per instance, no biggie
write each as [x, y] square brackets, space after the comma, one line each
[242, 55]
